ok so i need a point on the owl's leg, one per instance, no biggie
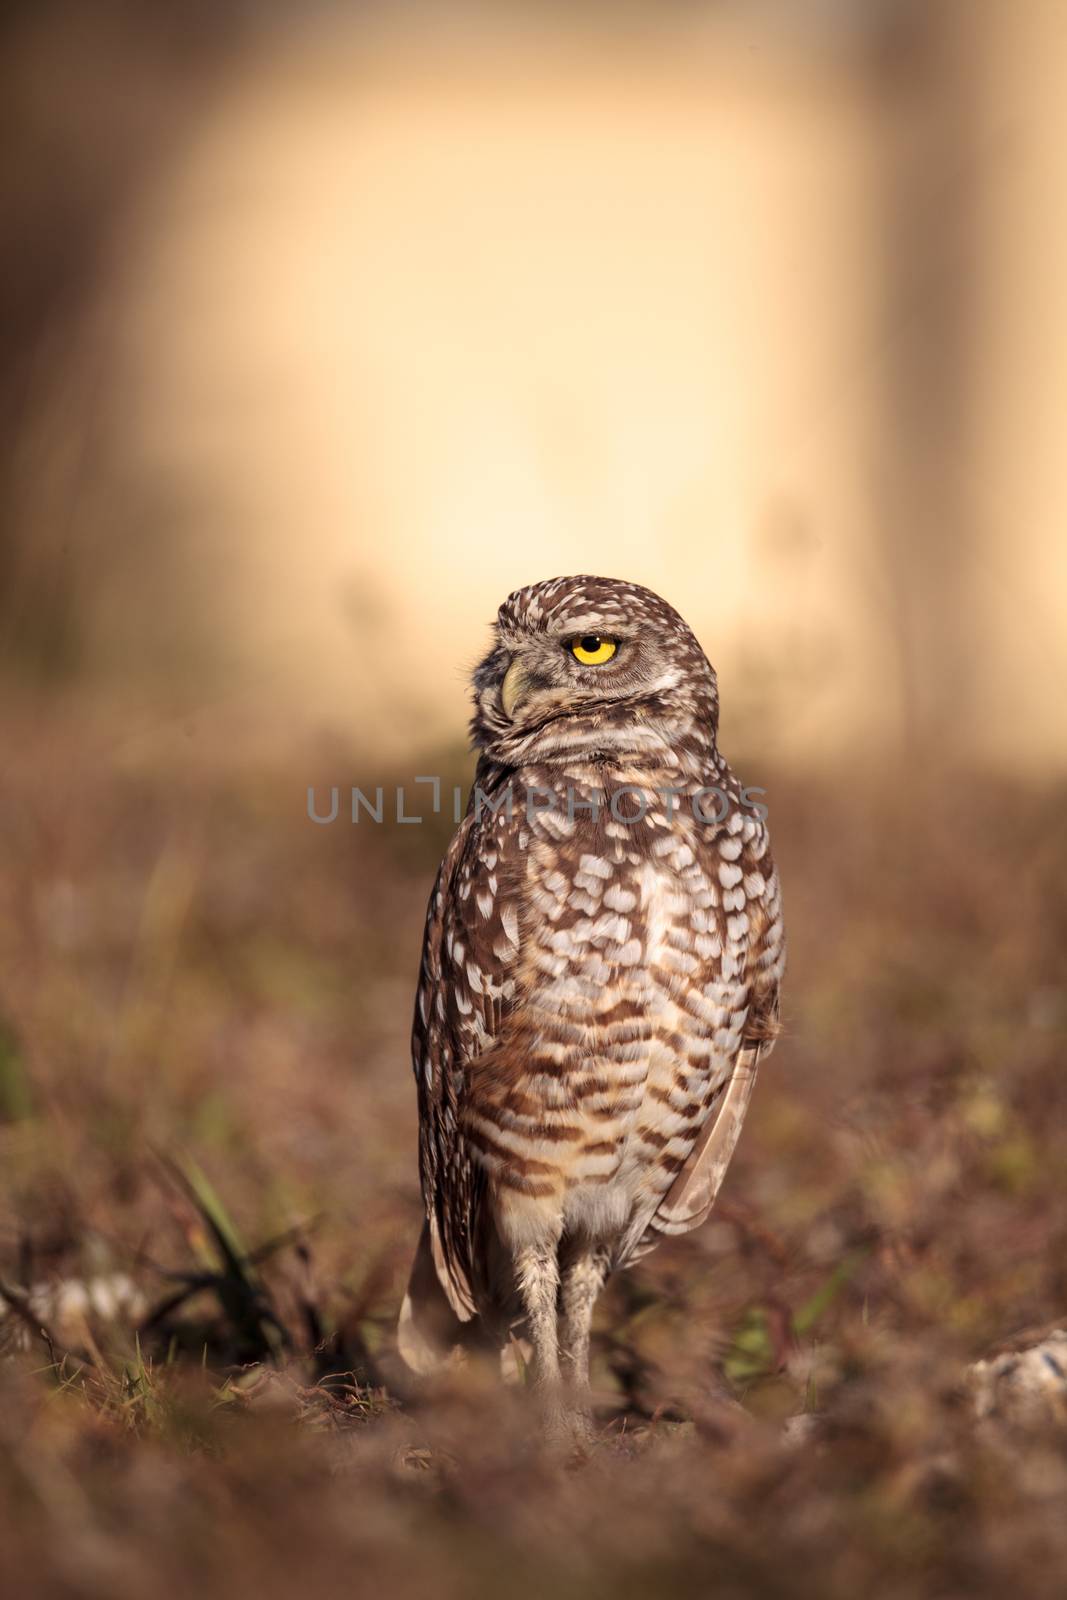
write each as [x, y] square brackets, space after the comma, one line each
[583, 1278]
[537, 1271]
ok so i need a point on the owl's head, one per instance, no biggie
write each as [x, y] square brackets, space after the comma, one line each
[589, 666]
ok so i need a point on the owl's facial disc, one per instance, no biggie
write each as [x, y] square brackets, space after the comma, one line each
[549, 673]
[531, 669]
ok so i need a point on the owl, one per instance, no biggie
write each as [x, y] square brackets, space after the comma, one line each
[600, 974]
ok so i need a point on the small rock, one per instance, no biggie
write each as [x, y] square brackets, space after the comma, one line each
[1028, 1384]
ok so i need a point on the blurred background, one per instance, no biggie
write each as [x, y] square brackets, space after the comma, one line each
[323, 328]
[326, 327]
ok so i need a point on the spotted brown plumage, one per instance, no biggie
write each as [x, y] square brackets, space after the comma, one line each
[599, 977]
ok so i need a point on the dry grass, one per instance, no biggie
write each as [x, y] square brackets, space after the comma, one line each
[209, 1196]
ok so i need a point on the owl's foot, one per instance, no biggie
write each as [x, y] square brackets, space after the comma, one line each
[568, 1428]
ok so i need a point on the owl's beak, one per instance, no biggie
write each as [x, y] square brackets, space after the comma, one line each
[515, 685]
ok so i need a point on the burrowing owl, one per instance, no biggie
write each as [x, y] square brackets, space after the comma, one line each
[599, 978]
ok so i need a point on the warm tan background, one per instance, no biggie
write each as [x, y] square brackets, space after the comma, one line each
[328, 333]
[325, 328]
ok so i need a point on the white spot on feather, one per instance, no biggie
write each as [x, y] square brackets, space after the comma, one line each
[595, 865]
[509, 919]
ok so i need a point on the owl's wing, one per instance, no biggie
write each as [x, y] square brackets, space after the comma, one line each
[689, 1200]
[465, 994]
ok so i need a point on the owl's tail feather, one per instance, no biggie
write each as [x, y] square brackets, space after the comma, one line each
[430, 1331]
[439, 1324]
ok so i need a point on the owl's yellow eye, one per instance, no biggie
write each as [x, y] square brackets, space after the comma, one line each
[591, 650]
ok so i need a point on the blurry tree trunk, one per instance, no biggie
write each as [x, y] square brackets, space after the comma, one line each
[932, 164]
[93, 98]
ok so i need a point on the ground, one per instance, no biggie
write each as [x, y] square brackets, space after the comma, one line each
[204, 1009]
